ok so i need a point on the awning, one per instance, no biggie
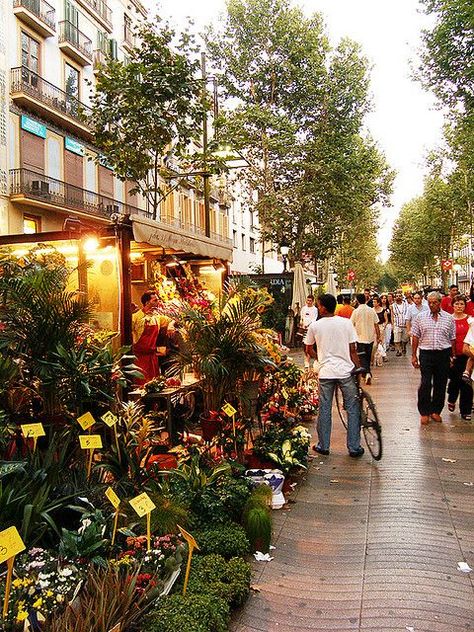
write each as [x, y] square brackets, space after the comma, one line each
[157, 234]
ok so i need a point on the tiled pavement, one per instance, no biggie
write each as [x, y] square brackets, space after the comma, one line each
[375, 546]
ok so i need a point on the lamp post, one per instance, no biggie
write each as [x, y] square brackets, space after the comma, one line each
[284, 250]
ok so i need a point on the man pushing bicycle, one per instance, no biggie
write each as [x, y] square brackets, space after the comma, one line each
[335, 339]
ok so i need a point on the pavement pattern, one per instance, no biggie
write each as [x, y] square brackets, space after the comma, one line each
[375, 546]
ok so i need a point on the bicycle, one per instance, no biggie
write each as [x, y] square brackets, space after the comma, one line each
[369, 419]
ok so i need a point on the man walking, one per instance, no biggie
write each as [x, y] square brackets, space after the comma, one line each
[447, 301]
[399, 321]
[309, 313]
[335, 340]
[366, 323]
[414, 309]
[434, 333]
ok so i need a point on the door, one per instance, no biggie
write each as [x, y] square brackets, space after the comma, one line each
[74, 178]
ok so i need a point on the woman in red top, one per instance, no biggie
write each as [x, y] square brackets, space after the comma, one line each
[456, 385]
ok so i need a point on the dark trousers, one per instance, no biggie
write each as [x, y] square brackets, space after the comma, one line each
[364, 349]
[457, 387]
[434, 366]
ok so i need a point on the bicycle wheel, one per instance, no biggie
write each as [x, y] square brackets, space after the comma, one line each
[370, 424]
[340, 406]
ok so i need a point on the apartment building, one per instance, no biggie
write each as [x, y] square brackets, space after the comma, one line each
[50, 170]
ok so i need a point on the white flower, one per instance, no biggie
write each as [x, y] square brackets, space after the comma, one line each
[44, 584]
[85, 523]
[65, 572]
[44, 575]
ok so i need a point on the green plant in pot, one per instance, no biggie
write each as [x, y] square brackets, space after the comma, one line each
[222, 345]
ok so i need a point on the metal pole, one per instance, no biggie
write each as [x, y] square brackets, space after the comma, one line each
[206, 175]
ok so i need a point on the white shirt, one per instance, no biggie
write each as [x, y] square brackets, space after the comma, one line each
[413, 311]
[332, 335]
[364, 318]
[308, 315]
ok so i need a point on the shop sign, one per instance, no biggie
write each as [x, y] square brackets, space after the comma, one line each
[72, 145]
[32, 126]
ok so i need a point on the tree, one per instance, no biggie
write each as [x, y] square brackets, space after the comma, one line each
[142, 109]
[295, 109]
[447, 66]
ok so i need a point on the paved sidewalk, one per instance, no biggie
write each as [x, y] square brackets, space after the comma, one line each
[375, 546]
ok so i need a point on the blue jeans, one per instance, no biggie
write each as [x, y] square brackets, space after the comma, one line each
[352, 406]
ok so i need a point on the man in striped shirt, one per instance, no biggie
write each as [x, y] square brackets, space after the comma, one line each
[434, 333]
[399, 322]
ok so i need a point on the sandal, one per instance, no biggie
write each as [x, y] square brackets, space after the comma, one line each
[451, 406]
[466, 417]
[466, 377]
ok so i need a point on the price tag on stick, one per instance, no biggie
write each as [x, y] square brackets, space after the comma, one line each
[115, 500]
[86, 421]
[192, 544]
[229, 409]
[90, 442]
[144, 505]
[33, 431]
[10, 545]
[109, 418]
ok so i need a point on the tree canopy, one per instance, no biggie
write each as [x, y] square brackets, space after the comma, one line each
[295, 108]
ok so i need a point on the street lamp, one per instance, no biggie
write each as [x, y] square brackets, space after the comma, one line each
[284, 250]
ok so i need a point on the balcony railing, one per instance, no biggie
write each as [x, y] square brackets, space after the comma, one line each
[28, 82]
[69, 33]
[41, 9]
[36, 186]
[101, 8]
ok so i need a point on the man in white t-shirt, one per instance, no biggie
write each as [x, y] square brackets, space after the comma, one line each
[335, 339]
[308, 314]
[366, 323]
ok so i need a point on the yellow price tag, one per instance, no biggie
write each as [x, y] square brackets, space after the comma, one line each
[229, 409]
[284, 392]
[86, 421]
[189, 538]
[90, 442]
[143, 504]
[112, 496]
[10, 544]
[109, 418]
[32, 430]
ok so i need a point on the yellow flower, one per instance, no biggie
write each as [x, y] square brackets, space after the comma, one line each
[17, 583]
[38, 603]
[22, 615]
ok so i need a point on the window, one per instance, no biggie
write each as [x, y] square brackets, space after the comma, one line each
[71, 81]
[127, 29]
[113, 49]
[30, 53]
[243, 242]
[234, 238]
[31, 224]
[103, 42]
[252, 219]
[252, 245]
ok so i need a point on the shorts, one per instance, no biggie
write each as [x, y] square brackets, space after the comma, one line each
[400, 334]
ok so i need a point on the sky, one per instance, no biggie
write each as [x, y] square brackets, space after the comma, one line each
[404, 120]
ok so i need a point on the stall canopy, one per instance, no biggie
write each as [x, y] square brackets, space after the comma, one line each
[147, 231]
[300, 288]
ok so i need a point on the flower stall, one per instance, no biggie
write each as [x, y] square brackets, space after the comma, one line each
[96, 532]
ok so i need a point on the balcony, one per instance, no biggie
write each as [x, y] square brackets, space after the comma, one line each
[41, 191]
[37, 14]
[36, 94]
[75, 44]
[100, 11]
[99, 58]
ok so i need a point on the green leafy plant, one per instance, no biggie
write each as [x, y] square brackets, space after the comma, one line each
[227, 540]
[191, 613]
[229, 580]
[88, 541]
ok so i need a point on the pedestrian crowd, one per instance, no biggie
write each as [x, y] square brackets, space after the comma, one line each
[344, 334]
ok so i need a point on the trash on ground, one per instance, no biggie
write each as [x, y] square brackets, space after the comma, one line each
[468, 484]
[449, 460]
[262, 557]
[464, 567]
